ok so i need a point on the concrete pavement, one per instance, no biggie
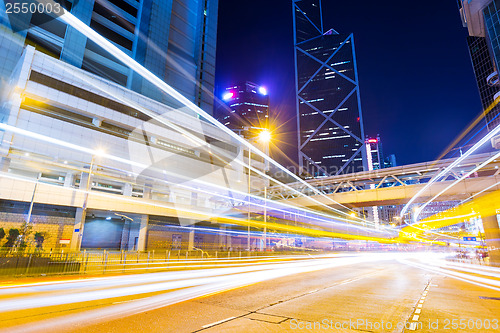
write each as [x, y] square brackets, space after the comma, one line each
[375, 294]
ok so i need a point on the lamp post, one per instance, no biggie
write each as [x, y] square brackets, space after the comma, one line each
[79, 225]
[264, 136]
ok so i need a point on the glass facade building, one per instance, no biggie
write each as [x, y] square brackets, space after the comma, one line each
[492, 21]
[330, 123]
[481, 17]
[483, 67]
[174, 39]
[244, 106]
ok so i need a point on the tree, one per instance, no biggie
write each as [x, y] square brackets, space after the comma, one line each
[12, 237]
[2, 233]
[39, 238]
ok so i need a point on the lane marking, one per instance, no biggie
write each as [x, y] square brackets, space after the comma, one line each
[218, 322]
[419, 305]
[413, 326]
[415, 318]
[421, 301]
[418, 311]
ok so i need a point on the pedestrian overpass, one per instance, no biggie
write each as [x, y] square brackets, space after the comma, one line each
[392, 186]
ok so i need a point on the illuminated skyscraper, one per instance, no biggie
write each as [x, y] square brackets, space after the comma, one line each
[374, 153]
[330, 123]
[244, 109]
[174, 39]
[481, 17]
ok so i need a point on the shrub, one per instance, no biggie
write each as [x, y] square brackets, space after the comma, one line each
[39, 238]
[12, 237]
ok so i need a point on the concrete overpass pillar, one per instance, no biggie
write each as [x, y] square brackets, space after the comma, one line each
[4, 164]
[222, 236]
[127, 189]
[492, 237]
[228, 240]
[69, 179]
[191, 240]
[146, 194]
[143, 233]
[76, 238]
[80, 216]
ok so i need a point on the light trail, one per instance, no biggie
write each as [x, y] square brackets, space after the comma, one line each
[71, 20]
[203, 215]
[150, 283]
[482, 165]
[436, 267]
[444, 172]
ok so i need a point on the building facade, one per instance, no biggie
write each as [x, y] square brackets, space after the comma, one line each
[483, 24]
[329, 117]
[173, 39]
[244, 108]
[149, 169]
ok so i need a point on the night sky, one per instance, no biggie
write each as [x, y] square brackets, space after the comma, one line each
[417, 85]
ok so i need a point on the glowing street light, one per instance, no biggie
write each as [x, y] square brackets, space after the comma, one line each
[265, 136]
[263, 91]
[227, 96]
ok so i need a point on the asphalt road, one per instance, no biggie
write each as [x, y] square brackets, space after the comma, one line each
[362, 293]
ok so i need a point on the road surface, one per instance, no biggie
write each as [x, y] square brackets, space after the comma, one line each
[342, 293]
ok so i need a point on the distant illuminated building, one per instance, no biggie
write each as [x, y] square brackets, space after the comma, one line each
[330, 121]
[244, 109]
[390, 161]
[374, 153]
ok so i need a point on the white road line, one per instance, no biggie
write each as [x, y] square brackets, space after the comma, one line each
[413, 326]
[419, 305]
[218, 322]
[418, 311]
[415, 318]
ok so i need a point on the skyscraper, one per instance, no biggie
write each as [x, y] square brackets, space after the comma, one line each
[174, 39]
[374, 153]
[481, 19]
[330, 123]
[244, 106]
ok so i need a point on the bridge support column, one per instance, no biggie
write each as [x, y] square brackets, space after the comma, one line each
[191, 240]
[143, 233]
[4, 164]
[222, 236]
[76, 238]
[127, 189]
[81, 214]
[69, 179]
[492, 236]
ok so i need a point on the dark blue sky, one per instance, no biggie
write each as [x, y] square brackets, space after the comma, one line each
[417, 85]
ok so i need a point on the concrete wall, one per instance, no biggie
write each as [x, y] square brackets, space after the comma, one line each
[54, 228]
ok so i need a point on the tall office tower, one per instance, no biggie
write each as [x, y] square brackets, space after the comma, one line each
[481, 19]
[330, 123]
[374, 153]
[483, 69]
[174, 39]
[244, 109]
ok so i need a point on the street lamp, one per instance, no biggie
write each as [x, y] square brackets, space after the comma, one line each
[263, 137]
[76, 243]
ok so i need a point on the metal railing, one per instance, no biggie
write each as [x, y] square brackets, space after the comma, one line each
[19, 264]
